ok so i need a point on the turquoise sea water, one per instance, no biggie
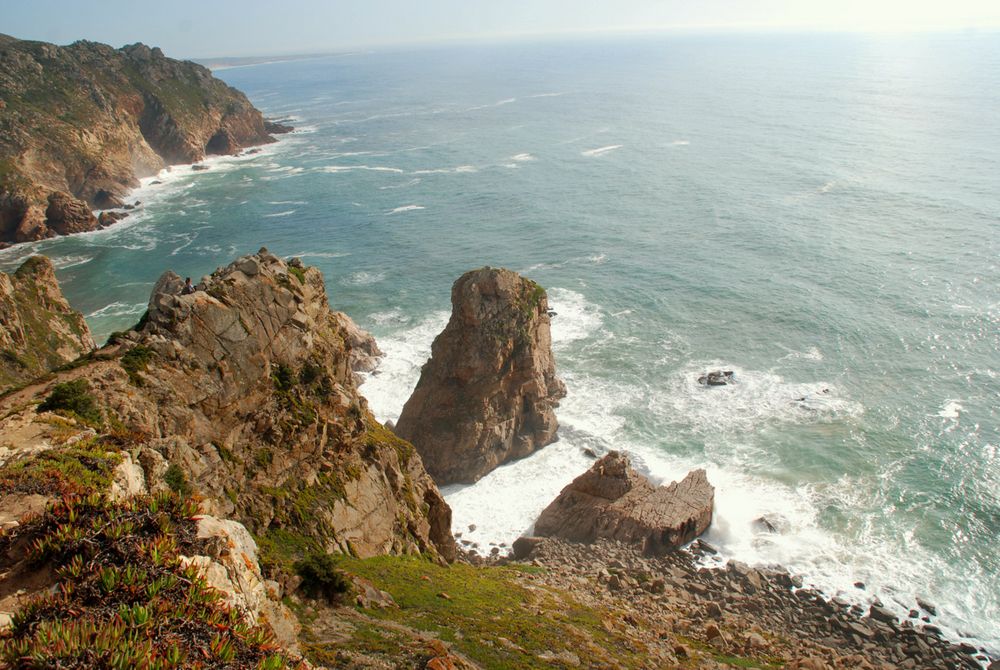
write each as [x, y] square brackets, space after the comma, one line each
[813, 212]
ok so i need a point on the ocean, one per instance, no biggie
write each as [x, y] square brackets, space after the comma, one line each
[818, 213]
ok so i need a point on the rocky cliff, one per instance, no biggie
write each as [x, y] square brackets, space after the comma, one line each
[244, 391]
[488, 393]
[80, 124]
[39, 331]
[613, 501]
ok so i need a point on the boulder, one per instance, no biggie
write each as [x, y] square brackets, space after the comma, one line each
[487, 395]
[66, 215]
[613, 501]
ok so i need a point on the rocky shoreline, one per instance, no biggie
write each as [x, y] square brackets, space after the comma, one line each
[709, 614]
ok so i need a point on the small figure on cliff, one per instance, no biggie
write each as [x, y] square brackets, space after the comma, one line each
[188, 287]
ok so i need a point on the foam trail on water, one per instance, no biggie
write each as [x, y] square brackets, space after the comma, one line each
[601, 150]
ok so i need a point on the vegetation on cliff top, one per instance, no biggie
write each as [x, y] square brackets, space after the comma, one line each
[125, 598]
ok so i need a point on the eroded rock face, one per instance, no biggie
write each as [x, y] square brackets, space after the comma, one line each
[39, 331]
[613, 501]
[248, 386]
[488, 393]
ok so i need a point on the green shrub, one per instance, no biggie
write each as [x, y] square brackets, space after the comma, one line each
[73, 398]
[299, 273]
[321, 578]
[135, 360]
[175, 478]
[283, 377]
[123, 597]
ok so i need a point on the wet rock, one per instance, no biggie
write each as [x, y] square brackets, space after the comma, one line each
[717, 378]
[926, 606]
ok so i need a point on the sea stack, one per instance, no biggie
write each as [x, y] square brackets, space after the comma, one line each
[613, 501]
[488, 393]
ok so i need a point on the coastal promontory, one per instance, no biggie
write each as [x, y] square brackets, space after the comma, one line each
[488, 393]
[80, 124]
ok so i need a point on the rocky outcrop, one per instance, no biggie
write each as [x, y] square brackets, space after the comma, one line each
[80, 124]
[247, 384]
[39, 331]
[243, 392]
[488, 393]
[613, 501]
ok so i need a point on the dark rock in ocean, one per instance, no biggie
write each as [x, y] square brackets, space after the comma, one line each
[717, 378]
[275, 128]
[612, 500]
[770, 523]
[107, 218]
[589, 453]
[199, 168]
[927, 607]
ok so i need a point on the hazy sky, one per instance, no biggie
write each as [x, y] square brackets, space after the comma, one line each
[203, 28]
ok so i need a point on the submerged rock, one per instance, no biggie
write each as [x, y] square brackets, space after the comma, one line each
[613, 501]
[488, 393]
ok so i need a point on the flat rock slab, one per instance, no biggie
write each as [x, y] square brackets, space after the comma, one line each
[613, 501]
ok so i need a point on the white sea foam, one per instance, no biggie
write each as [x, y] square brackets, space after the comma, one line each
[388, 388]
[522, 158]
[287, 202]
[575, 319]
[547, 95]
[405, 208]
[71, 261]
[280, 214]
[406, 184]
[680, 143]
[364, 278]
[322, 254]
[334, 169]
[601, 150]
[452, 170]
[951, 410]
[118, 309]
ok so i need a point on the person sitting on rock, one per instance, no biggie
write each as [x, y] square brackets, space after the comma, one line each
[188, 287]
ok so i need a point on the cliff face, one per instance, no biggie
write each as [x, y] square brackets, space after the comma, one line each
[488, 392]
[38, 329]
[80, 124]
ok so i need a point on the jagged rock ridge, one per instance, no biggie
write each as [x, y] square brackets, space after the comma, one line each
[488, 393]
[613, 501]
[39, 331]
[80, 124]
